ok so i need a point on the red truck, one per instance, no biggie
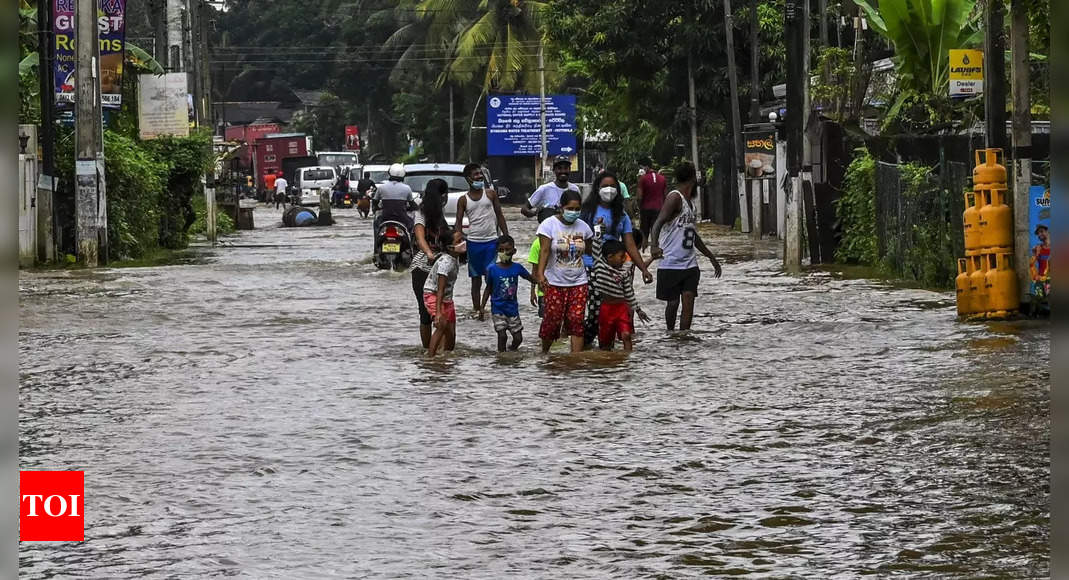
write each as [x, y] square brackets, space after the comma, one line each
[269, 151]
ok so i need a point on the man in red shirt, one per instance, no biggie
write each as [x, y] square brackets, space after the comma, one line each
[651, 189]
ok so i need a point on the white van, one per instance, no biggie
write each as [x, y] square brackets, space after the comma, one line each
[311, 179]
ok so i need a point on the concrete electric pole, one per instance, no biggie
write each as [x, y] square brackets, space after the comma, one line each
[88, 135]
[1022, 143]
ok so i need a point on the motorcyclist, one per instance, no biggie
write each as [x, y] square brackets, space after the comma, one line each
[393, 199]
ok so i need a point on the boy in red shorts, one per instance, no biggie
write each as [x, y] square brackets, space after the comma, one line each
[614, 282]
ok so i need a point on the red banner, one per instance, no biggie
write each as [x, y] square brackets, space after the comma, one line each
[352, 138]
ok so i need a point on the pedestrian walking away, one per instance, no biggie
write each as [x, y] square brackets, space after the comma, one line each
[485, 223]
[438, 294]
[269, 186]
[430, 225]
[674, 240]
[614, 284]
[604, 209]
[545, 201]
[502, 285]
[280, 190]
[561, 273]
[651, 189]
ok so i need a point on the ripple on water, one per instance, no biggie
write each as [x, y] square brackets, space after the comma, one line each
[268, 412]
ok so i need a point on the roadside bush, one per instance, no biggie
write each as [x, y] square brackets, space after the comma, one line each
[856, 212]
[187, 160]
[135, 178]
[929, 253]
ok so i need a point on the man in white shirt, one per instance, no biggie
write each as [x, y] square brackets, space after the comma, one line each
[545, 201]
[280, 191]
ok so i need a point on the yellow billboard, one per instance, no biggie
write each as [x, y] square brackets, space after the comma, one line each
[966, 73]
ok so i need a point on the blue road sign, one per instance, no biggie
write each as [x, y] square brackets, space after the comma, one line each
[513, 125]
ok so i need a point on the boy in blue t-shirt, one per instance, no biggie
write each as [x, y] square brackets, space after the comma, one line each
[502, 282]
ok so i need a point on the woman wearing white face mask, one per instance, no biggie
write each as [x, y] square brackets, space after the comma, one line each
[560, 272]
[604, 211]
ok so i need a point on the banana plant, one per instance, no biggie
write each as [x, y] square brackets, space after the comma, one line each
[923, 32]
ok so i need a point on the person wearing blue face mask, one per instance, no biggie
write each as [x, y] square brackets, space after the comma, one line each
[604, 210]
[564, 240]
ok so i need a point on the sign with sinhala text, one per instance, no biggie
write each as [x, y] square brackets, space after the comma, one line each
[760, 155]
[966, 73]
[162, 105]
[514, 126]
[111, 29]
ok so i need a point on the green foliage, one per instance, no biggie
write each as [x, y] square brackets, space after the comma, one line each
[923, 32]
[187, 160]
[856, 212]
[135, 179]
[835, 78]
[224, 224]
[929, 255]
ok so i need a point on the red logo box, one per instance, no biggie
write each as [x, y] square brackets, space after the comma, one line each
[51, 506]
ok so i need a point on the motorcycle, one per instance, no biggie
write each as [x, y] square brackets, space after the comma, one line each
[393, 246]
[342, 200]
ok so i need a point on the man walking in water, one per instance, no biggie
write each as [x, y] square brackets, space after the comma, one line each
[673, 240]
[280, 190]
[485, 224]
[545, 201]
[651, 188]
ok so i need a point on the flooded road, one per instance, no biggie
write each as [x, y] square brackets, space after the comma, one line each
[267, 413]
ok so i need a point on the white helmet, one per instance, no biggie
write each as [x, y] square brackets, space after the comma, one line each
[397, 171]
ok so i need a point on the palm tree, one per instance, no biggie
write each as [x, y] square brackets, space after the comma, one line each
[502, 44]
[490, 42]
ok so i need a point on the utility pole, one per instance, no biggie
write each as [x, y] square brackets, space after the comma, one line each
[1022, 143]
[542, 113]
[694, 131]
[755, 64]
[995, 75]
[452, 138]
[797, 29]
[733, 90]
[46, 184]
[206, 67]
[87, 133]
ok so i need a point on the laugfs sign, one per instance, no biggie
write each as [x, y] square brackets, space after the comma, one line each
[51, 506]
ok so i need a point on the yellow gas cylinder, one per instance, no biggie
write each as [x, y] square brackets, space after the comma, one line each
[971, 223]
[996, 220]
[1000, 281]
[961, 283]
[988, 170]
[977, 283]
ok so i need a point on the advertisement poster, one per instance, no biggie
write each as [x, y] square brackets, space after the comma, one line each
[163, 105]
[1039, 242]
[352, 138]
[759, 157]
[514, 125]
[111, 28]
[966, 73]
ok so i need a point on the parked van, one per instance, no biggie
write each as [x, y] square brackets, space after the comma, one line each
[311, 179]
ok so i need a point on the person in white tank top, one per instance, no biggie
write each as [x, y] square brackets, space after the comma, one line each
[674, 240]
[485, 222]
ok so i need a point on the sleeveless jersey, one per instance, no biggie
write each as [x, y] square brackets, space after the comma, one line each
[482, 219]
[677, 238]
